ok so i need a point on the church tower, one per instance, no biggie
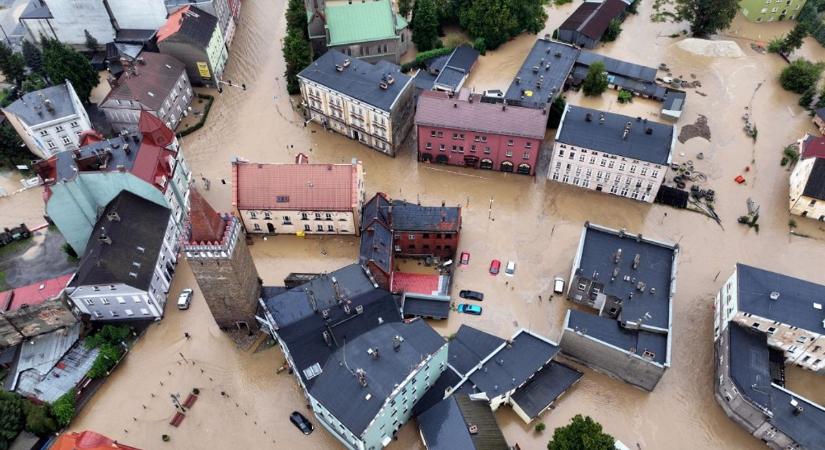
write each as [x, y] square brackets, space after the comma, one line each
[216, 249]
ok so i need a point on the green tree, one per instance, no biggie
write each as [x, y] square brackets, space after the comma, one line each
[91, 42]
[38, 419]
[33, 57]
[614, 28]
[490, 19]
[800, 75]
[63, 408]
[404, 7]
[298, 55]
[12, 65]
[11, 417]
[480, 45]
[33, 82]
[296, 17]
[109, 334]
[12, 150]
[807, 97]
[596, 80]
[107, 357]
[529, 16]
[425, 25]
[61, 62]
[556, 110]
[794, 39]
[582, 433]
[706, 16]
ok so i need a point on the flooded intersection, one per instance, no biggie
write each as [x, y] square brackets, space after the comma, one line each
[533, 222]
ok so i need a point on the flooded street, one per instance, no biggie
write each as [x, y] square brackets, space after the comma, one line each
[533, 222]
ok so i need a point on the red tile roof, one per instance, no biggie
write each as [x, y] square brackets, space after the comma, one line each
[417, 283]
[438, 110]
[154, 130]
[90, 137]
[813, 147]
[33, 294]
[294, 187]
[206, 224]
[87, 440]
[172, 24]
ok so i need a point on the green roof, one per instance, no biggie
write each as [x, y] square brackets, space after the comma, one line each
[400, 22]
[360, 22]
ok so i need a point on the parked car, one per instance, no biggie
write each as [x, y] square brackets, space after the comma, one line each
[471, 295]
[301, 422]
[495, 265]
[465, 258]
[558, 285]
[469, 309]
[510, 270]
[185, 299]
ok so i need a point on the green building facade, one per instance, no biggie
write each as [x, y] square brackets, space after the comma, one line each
[771, 10]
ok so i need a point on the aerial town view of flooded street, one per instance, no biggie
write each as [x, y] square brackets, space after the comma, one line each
[413, 224]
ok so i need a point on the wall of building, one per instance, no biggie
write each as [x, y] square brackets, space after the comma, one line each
[386, 49]
[611, 360]
[217, 54]
[802, 205]
[770, 10]
[415, 244]
[142, 15]
[291, 222]
[125, 114]
[574, 37]
[478, 150]
[600, 171]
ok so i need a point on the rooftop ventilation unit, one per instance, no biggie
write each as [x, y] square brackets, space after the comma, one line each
[775, 295]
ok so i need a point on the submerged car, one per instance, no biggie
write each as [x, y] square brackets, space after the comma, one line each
[510, 270]
[465, 258]
[471, 295]
[469, 309]
[301, 422]
[185, 298]
[495, 265]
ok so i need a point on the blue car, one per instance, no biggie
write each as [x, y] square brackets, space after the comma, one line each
[469, 309]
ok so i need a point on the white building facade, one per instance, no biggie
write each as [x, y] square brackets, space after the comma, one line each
[807, 181]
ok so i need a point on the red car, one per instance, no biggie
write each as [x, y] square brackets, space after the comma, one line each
[495, 266]
[465, 258]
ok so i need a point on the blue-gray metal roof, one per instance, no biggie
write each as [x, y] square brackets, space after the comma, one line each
[795, 305]
[36, 9]
[446, 425]
[655, 270]
[513, 365]
[426, 307]
[607, 136]
[437, 391]
[611, 332]
[469, 346]
[360, 80]
[450, 78]
[376, 246]
[548, 385]
[32, 107]
[618, 67]
[750, 370]
[66, 163]
[424, 80]
[411, 217]
[456, 67]
[337, 387]
[548, 61]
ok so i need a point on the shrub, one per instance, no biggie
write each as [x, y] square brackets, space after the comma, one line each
[11, 417]
[480, 45]
[596, 80]
[39, 420]
[800, 75]
[791, 152]
[63, 408]
[107, 357]
[423, 57]
[633, 8]
[109, 334]
[625, 96]
[614, 28]
[540, 427]
[775, 45]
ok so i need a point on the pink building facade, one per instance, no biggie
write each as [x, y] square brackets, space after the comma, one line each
[462, 131]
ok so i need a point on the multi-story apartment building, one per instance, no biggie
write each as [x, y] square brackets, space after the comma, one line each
[372, 104]
[226, 11]
[128, 264]
[609, 152]
[78, 184]
[763, 321]
[629, 281]
[770, 10]
[371, 30]
[194, 37]
[298, 198]
[462, 130]
[807, 182]
[362, 369]
[49, 120]
[156, 83]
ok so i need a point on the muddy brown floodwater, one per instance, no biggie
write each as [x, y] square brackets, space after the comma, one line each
[533, 222]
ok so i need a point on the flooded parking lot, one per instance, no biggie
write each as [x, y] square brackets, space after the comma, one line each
[531, 221]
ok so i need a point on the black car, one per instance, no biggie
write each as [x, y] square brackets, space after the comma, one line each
[301, 422]
[471, 295]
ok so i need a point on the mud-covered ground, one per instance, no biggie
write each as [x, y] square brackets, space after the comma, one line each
[533, 222]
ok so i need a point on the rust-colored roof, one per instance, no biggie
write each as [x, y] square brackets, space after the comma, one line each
[206, 224]
[294, 187]
[152, 80]
[87, 137]
[437, 109]
[172, 24]
[154, 130]
[87, 440]
[813, 147]
[414, 283]
[33, 294]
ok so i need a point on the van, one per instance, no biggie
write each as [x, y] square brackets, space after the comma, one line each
[185, 299]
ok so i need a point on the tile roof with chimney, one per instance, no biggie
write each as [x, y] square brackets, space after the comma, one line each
[149, 81]
[46, 105]
[295, 187]
[467, 112]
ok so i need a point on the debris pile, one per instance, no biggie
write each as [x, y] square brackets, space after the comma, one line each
[699, 128]
[713, 49]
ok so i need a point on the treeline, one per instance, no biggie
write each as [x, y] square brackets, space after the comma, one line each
[811, 16]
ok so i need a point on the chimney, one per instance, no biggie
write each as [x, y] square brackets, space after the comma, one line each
[588, 117]
[373, 352]
[636, 260]
[396, 342]
[626, 130]
[601, 118]
[113, 216]
[361, 375]
[648, 130]
[103, 237]
[504, 105]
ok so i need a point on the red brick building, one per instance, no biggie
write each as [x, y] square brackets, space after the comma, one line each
[464, 131]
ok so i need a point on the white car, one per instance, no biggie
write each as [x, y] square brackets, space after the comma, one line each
[510, 269]
[558, 285]
[185, 299]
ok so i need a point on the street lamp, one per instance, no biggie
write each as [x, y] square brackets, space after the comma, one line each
[241, 86]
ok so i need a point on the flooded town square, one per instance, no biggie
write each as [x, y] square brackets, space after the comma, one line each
[246, 400]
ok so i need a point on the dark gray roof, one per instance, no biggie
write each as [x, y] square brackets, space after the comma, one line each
[197, 27]
[411, 217]
[445, 426]
[134, 36]
[606, 137]
[66, 163]
[674, 100]
[436, 393]
[548, 385]
[750, 370]
[815, 187]
[618, 67]
[136, 228]
[338, 389]
[513, 365]
[611, 332]
[820, 113]
[550, 61]
[376, 246]
[31, 108]
[424, 80]
[655, 270]
[450, 78]
[469, 346]
[360, 80]
[375, 209]
[426, 307]
[795, 305]
[36, 9]
[456, 67]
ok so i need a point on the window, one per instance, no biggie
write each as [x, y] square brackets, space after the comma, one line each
[304, 216]
[621, 166]
[581, 157]
[59, 128]
[561, 152]
[755, 325]
[44, 132]
[429, 145]
[89, 301]
[287, 220]
[487, 150]
[526, 155]
[129, 312]
[51, 144]
[510, 142]
[105, 301]
[320, 228]
[267, 215]
[328, 216]
[253, 215]
[282, 199]
[528, 144]
[114, 313]
[330, 228]
[508, 153]
[74, 124]
[66, 140]
[306, 228]
[602, 162]
[411, 237]
[442, 147]
[144, 311]
[121, 300]
[633, 168]
[592, 160]
[643, 172]
[256, 227]
[432, 133]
